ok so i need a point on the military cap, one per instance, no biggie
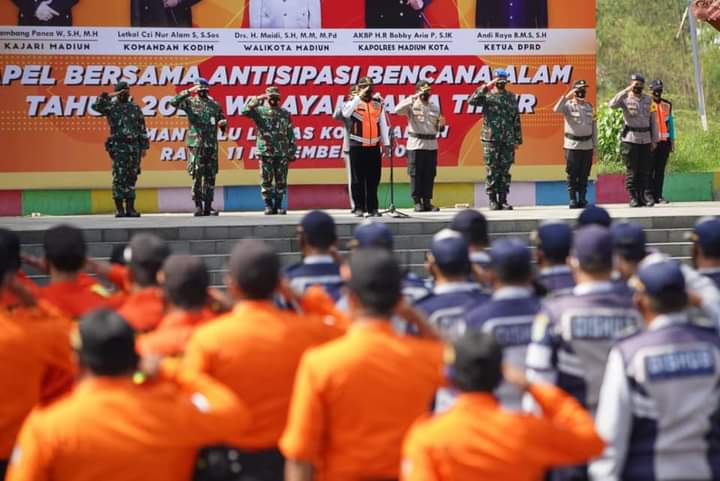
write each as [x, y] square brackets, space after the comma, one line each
[474, 362]
[593, 246]
[318, 228]
[636, 77]
[423, 86]
[272, 92]
[554, 239]
[364, 82]
[580, 84]
[659, 279]
[707, 235]
[203, 83]
[509, 254]
[122, 85]
[106, 343]
[593, 214]
[656, 84]
[449, 251]
[372, 234]
[629, 240]
[501, 73]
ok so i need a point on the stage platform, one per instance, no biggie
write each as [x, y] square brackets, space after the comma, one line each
[213, 237]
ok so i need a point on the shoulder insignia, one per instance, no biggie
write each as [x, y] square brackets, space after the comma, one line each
[540, 326]
[100, 290]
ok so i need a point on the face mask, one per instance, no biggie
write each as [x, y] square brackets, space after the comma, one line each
[637, 90]
[657, 94]
[368, 94]
[581, 94]
[124, 97]
[274, 102]
[203, 93]
[425, 97]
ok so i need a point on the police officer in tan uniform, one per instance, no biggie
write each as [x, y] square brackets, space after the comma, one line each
[580, 139]
[639, 139]
[425, 122]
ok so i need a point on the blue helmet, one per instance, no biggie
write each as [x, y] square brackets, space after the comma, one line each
[501, 73]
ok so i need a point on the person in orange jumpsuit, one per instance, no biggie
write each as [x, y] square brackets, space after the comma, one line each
[185, 282]
[354, 398]
[70, 291]
[11, 243]
[144, 307]
[118, 425]
[477, 439]
[256, 349]
[34, 353]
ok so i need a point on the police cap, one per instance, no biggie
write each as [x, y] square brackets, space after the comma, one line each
[472, 225]
[554, 239]
[656, 84]
[707, 235]
[372, 234]
[660, 279]
[501, 74]
[203, 83]
[272, 92]
[449, 252]
[593, 214]
[636, 77]
[423, 86]
[593, 248]
[510, 254]
[629, 240]
[580, 84]
[318, 228]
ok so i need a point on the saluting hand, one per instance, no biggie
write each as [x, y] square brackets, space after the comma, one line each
[170, 3]
[515, 376]
[416, 4]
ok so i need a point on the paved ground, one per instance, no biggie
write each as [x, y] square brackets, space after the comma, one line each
[150, 221]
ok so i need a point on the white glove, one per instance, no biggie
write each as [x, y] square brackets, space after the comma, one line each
[171, 3]
[44, 12]
[416, 4]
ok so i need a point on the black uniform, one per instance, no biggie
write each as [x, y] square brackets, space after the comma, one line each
[152, 13]
[393, 14]
[511, 14]
[27, 8]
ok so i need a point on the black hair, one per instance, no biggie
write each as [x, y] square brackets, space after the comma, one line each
[513, 274]
[255, 268]
[10, 251]
[376, 280]
[671, 300]
[65, 248]
[186, 281]
[478, 362]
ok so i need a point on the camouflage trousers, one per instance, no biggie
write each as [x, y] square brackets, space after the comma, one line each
[273, 170]
[125, 168]
[499, 157]
[203, 167]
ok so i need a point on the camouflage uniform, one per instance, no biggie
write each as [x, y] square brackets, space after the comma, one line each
[500, 134]
[275, 146]
[126, 144]
[205, 116]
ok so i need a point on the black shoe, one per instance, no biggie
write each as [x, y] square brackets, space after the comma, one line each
[198, 209]
[119, 208]
[649, 200]
[359, 213]
[419, 207]
[635, 202]
[374, 213]
[209, 211]
[130, 210]
[279, 209]
[574, 204]
[582, 200]
[502, 200]
[494, 202]
[662, 200]
[269, 208]
[429, 207]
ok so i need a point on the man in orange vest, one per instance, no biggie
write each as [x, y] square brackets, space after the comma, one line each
[368, 126]
[666, 128]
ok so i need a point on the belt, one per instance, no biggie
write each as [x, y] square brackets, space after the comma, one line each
[637, 129]
[422, 136]
[578, 138]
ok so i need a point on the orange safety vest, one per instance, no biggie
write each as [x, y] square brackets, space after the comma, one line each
[365, 127]
[663, 109]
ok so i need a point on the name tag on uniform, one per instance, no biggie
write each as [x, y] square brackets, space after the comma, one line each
[597, 327]
[680, 364]
[212, 120]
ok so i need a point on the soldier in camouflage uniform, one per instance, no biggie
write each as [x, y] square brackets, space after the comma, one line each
[127, 145]
[501, 135]
[275, 146]
[205, 116]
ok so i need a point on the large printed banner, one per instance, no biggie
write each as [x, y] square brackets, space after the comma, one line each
[49, 78]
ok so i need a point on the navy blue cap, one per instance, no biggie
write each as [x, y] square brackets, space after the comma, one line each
[372, 234]
[656, 85]
[660, 278]
[593, 247]
[629, 240]
[501, 73]
[593, 214]
[450, 252]
[202, 82]
[707, 235]
[554, 239]
[472, 225]
[510, 254]
[637, 77]
[318, 228]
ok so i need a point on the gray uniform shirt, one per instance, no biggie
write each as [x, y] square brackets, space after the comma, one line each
[423, 118]
[338, 115]
[579, 121]
[637, 112]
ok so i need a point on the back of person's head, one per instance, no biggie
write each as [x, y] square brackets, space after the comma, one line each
[594, 215]
[511, 262]
[473, 226]
[65, 248]
[375, 281]
[449, 254]
[318, 230]
[475, 362]
[106, 344]
[372, 234]
[593, 250]
[554, 241]
[185, 281]
[706, 236]
[254, 269]
[663, 285]
[629, 241]
[145, 255]
[9, 251]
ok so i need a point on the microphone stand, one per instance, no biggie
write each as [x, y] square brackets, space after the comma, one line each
[392, 210]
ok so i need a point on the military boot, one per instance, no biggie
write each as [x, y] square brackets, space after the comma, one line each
[502, 200]
[429, 207]
[199, 211]
[279, 206]
[130, 210]
[582, 198]
[209, 211]
[574, 204]
[494, 202]
[418, 205]
[269, 207]
[119, 208]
